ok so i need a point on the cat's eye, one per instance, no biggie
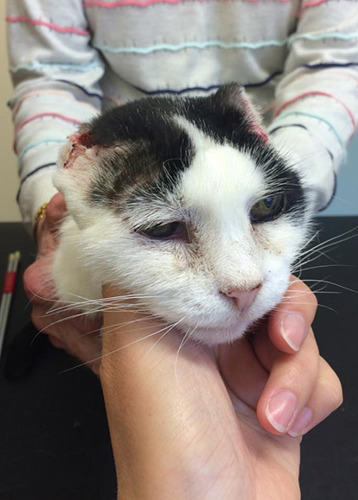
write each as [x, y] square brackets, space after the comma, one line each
[268, 208]
[166, 231]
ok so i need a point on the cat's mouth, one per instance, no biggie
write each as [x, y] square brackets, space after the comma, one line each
[227, 331]
[213, 321]
[215, 336]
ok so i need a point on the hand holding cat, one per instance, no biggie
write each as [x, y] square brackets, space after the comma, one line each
[201, 421]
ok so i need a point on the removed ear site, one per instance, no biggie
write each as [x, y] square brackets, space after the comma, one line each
[78, 143]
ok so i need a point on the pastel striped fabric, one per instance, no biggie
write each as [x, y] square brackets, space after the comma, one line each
[52, 26]
[72, 59]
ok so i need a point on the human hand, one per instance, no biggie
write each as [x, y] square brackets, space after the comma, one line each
[195, 422]
[68, 330]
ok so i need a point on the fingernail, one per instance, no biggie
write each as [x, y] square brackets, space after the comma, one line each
[281, 409]
[293, 330]
[301, 423]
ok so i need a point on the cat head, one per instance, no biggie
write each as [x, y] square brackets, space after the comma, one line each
[185, 204]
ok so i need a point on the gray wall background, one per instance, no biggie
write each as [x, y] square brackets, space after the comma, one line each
[346, 199]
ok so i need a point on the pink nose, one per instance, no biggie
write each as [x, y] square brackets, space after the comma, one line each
[243, 298]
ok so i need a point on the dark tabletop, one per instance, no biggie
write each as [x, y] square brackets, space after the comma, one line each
[54, 440]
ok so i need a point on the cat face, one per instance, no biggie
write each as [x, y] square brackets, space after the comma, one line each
[185, 205]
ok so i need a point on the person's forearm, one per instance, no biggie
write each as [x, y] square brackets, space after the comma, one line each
[47, 109]
[159, 431]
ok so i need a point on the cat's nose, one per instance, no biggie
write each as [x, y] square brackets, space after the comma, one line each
[243, 298]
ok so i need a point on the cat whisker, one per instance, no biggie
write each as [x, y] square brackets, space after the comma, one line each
[122, 297]
[309, 256]
[333, 284]
[106, 329]
[86, 363]
[322, 290]
[76, 311]
[312, 268]
[291, 291]
[114, 329]
[314, 253]
[185, 338]
[80, 314]
[323, 280]
[316, 292]
[101, 303]
[308, 260]
[127, 323]
[305, 304]
[332, 241]
[171, 327]
[314, 235]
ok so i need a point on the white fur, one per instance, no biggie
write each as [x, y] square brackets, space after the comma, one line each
[214, 196]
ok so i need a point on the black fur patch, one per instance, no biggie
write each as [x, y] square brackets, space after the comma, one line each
[154, 150]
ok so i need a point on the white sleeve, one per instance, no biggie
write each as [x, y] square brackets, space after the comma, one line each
[56, 76]
[316, 105]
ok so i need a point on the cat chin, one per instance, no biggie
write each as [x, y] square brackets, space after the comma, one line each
[230, 330]
[216, 336]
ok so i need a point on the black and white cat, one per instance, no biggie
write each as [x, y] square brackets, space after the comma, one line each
[186, 205]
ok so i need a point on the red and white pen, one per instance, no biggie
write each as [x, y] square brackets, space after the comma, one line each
[7, 293]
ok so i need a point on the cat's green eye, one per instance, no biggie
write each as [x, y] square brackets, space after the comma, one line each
[268, 208]
[165, 231]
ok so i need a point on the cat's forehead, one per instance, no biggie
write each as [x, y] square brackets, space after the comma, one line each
[220, 175]
[160, 147]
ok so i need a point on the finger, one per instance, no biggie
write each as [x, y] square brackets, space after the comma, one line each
[54, 213]
[292, 380]
[326, 397]
[55, 210]
[47, 227]
[37, 286]
[289, 323]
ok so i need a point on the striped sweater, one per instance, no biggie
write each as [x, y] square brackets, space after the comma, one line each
[70, 60]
